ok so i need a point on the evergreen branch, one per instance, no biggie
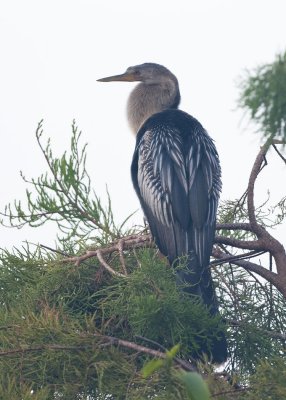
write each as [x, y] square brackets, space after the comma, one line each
[233, 295]
[23, 350]
[142, 349]
[273, 334]
[110, 340]
[4, 327]
[53, 250]
[75, 204]
[235, 392]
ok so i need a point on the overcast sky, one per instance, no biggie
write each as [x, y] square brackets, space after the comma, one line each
[52, 52]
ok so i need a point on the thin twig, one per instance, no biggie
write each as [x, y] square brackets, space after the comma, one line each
[82, 212]
[247, 265]
[53, 250]
[278, 152]
[273, 334]
[121, 257]
[130, 242]
[230, 258]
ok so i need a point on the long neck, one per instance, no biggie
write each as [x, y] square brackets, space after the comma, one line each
[148, 99]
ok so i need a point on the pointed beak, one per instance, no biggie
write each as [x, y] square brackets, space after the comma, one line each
[126, 77]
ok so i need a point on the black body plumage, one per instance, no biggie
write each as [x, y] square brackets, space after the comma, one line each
[177, 177]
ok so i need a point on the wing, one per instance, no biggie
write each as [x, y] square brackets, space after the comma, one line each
[161, 184]
[175, 175]
[204, 189]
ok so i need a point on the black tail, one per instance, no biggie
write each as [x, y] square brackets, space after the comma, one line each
[197, 281]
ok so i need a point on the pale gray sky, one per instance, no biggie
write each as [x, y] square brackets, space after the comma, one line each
[52, 52]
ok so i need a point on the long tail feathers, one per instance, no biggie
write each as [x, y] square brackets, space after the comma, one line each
[197, 281]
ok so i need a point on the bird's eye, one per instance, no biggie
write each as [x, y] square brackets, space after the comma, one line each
[136, 72]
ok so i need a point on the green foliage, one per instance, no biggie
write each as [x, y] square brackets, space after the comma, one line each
[76, 331]
[54, 335]
[263, 95]
[235, 211]
[64, 196]
[269, 382]
[156, 310]
[255, 314]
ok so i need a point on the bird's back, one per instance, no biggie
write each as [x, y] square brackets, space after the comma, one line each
[176, 175]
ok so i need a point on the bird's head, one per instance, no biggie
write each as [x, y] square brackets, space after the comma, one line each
[149, 73]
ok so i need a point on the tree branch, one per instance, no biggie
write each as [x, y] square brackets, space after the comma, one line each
[234, 226]
[273, 334]
[241, 244]
[129, 242]
[110, 340]
[258, 269]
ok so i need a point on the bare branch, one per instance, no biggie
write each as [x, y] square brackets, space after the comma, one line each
[278, 152]
[257, 166]
[130, 242]
[235, 226]
[258, 269]
[107, 266]
[142, 349]
[110, 340]
[241, 244]
[230, 258]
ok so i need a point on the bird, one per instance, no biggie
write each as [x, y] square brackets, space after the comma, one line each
[176, 175]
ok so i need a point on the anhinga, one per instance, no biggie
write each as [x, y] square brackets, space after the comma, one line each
[176, 175]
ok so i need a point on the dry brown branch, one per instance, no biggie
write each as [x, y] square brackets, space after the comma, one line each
[142, 349]
[264, 242]
[257, 166]
[107, 266]
[129, 242]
